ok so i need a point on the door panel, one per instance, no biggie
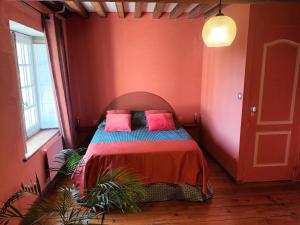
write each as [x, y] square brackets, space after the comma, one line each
[278, 82]
[278, 141]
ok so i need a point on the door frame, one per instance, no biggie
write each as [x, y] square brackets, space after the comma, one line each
[247, 137]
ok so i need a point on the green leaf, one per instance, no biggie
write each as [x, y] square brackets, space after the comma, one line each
[69, 160]
[119, 188]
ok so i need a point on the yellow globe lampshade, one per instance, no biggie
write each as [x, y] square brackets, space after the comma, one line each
[219, 31]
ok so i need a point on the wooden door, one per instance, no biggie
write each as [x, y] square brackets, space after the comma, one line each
[271, 114]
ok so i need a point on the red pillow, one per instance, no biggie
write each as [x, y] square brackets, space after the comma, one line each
[160, 121]
[155, 111]
[118, 122]
[118, 111]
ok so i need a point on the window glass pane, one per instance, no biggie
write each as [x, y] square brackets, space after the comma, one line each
[24, 97]
[30, 96]
[26, 54]
[27, 119]
[22, 76]
[33, 116]
[22, 54]
[47, 105]
[20, 61]
[25, 75]
[28, 76]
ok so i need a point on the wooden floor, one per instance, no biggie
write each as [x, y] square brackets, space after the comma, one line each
[269, 203]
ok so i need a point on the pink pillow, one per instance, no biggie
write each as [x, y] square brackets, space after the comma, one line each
[160, 121]
[118, 111]
[118, 122]
[154, 111]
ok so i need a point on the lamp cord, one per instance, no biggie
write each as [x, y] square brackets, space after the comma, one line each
[220, 9]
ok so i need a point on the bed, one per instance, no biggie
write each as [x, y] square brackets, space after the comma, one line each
[171, 164]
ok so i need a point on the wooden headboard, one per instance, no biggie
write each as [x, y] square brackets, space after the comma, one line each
[139, 101]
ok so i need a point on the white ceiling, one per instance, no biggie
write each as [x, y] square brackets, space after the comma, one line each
[129, 7]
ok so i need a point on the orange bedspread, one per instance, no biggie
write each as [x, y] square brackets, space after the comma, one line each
[170, 161]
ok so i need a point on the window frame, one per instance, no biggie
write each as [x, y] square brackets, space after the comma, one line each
[36, 140]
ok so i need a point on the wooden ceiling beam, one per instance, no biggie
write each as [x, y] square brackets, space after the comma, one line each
[120, 9]
[98, 6]
[138, 9]
[200, 9]
[77, 7]
[196, 11]
[55, 6]
[158, 10]
[213, 11]
[207, 1]
[178, 10]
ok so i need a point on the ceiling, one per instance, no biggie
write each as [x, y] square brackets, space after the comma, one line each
[180, 8]
[130, 7]
[175, 10]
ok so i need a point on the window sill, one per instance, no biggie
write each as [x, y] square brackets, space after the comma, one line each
[37, 141]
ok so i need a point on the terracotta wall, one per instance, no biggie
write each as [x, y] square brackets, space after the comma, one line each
[110, 57]
[13, 169]
[222, 80]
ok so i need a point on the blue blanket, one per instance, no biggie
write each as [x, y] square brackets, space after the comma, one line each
[140, 132]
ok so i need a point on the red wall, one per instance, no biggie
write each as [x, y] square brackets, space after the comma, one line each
[222, 80]
[110, 57]
[13, 169]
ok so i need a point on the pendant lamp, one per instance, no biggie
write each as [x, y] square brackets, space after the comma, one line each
[219, 31]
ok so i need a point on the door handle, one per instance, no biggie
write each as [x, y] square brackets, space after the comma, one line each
[253, 110]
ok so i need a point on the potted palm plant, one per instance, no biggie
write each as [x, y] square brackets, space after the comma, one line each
[119, 189]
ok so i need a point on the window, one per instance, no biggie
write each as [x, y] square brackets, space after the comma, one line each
[27, 83]
[35, 82]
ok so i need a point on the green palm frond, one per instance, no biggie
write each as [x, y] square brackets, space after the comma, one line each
[8, 212]
[69, 160]
[64, 211]
[119, 189]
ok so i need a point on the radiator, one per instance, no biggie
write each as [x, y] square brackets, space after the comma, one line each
[52, 149]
